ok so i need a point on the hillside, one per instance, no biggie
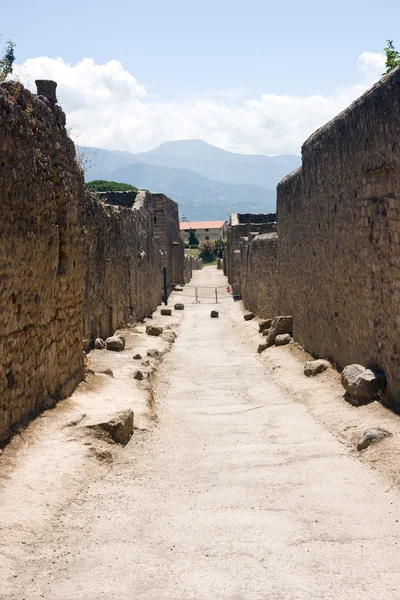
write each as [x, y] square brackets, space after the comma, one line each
[208, 182]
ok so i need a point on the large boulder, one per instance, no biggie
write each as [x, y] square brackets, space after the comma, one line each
[154, 330]
[283, 339]
[179, 306]
[119, 427]
[264, 324]
[214, 314]
[314, 367]
[371, 436]
[279, 326]
[166, 312]
[169, 336]
[115, 343]
[361, 383]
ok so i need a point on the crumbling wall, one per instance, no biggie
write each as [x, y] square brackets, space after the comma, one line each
[259, 274]
[42, 258]
[123, 265]
[243, 225]
[167, 229]
[73, 267]
[338, 255]
[126, 199]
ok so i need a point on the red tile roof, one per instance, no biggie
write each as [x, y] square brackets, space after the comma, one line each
[201, 224]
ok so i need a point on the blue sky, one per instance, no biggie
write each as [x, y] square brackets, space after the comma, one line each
[227, 51]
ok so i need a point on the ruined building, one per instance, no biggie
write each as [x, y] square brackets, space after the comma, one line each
[73, 267]
[335, 261]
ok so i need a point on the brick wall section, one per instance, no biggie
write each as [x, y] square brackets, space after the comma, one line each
[242, 226]
[259, 274]
[123, 279]
[42, 260]
[72, 267]
[338, 236]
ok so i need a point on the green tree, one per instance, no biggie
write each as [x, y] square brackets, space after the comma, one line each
[193, 241]
[100, 185]
[219, 248]
[207, 251]
[7, 60]
[392, 57]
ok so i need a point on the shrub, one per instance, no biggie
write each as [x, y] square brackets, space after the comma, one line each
[219, 248]
[206, 250]
[100, 185]
[193, 240]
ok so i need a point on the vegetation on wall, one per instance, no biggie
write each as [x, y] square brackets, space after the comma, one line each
[392, 57]
[100, 185]
[7, 59]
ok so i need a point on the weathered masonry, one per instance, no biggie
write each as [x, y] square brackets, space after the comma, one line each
[242, 225]
[335, 264]
[73, 267]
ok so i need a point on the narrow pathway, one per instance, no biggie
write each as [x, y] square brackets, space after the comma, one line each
[237, 494]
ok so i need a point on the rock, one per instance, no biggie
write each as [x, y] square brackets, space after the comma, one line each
[371, 436]
[120, 427]
[146, 362]
[99, 344]
[279, 326]
[214, 314]
[166, 312]
[137, 356]
[314, 367]
[169, 336]
[178, 288]
[107, 372]
[266, 332]
[115, 343]
[179, 306]
[261, 348]
[138, 375]
[362, 383]
[249, 316]
[283, 339]
[154, 330]
[148, 316]
[265, 324]
[153, 353]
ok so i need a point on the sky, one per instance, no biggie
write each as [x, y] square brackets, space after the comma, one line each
[252, 76]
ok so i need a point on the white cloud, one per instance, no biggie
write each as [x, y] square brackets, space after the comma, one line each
[108, 108]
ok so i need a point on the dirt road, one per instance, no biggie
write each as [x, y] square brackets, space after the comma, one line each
[237, 493]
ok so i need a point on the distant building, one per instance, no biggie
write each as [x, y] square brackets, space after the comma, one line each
[204, 230]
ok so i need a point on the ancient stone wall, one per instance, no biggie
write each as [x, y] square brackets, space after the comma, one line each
[259, 274]
[72, 266]
[338, 236]
[167, 229]
[243, 225]
[42, 259]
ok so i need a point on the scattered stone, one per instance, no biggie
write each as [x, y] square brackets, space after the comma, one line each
[283, 339]
[137, 356]
[138, 375]
[214, 314]
[169, 336]
[146, 362]
[362, 383]
[279, 326]
[179, 306]
[249, 316]
[265, 324]
[120, 427]
[115, 343]
[178, 288]
[154, 330]
[371, 436]
[166, 312]
[107, 372]
[314, 367]
[153, 353]
[99, 344]
[261, 348]
[266, 332]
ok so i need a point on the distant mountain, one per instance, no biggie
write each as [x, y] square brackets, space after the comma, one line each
[215, 163]
[207, 182]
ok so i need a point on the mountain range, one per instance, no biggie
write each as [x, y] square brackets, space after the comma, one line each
[206, 181]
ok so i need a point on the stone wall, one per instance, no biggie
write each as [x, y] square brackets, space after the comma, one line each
[167, 229]
[42, 258]
[259, 274]
[73, 267]
[338, 236]
[126, 199]
[243, 225]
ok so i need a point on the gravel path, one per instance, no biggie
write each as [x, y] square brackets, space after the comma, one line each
[237, 494]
